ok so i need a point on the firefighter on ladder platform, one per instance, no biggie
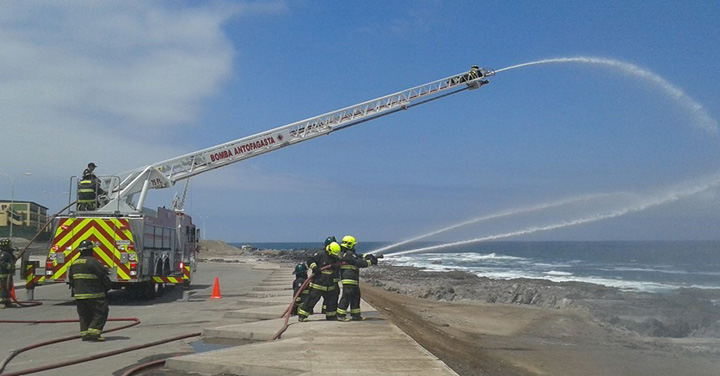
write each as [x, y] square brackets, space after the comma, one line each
[7, 270]
[350, 274]
[90, 282]
[323, 265]
[89, 189]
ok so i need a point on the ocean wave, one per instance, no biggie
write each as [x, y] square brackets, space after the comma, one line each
[551, 275]
[557, 273]
[469, 256]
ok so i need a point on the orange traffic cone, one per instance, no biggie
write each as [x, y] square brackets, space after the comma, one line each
[12, 293]
[216, 290]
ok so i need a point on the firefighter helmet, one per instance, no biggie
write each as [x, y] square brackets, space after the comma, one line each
[475, 67]
[86, 245]
[5, 244]
[349, 242]
[300, 269]
[333, 249]
[329, 240]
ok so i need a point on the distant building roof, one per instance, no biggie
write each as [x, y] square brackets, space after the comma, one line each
[23, 202]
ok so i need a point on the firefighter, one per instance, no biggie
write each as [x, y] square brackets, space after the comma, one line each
[473, 73]
[90, 282]
[89, 190]
[323, 265]
[90, 170]
[300, 278]
[7, 271]
[335, 295]
[87, 193]
[350, 273]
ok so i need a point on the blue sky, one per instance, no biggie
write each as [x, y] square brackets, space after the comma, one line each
[599, 153]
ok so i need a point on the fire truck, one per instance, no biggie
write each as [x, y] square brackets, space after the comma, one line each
[146, 249]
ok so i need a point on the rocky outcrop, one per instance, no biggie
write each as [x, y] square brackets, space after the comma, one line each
[684, 313]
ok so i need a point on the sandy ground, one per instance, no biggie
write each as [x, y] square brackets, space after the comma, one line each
[507, 340]
[528, 327]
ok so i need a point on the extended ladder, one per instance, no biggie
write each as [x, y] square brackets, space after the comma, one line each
[166, 173]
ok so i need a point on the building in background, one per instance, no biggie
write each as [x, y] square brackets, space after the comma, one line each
[27, 219]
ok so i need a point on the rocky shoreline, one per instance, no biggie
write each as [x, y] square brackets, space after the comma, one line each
[680, 314]
[683, 313]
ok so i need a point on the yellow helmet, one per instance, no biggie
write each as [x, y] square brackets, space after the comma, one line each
[333, 249]
[349, 242]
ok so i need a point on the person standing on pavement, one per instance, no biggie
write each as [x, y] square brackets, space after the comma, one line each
[300, 278]
[90, 283]
[335, 294]
[7, 271]
[350, 278]
[323, 265]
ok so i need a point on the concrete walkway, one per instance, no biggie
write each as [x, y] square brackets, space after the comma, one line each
[316, 347]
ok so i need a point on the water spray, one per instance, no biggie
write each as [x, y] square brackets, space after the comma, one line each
[659, 199]
[702, 120]
[505, 213]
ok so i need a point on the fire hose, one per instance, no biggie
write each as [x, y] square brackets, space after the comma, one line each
[288, 310]
[134, 321]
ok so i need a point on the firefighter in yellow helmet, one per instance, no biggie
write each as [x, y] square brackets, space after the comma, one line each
[350, 278]
[323, 265]
[7, 271]
[335, 294]
[90, 282]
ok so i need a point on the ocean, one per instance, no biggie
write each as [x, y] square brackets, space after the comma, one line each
[647, 266]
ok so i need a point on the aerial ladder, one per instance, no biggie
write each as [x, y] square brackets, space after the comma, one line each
[145, 248]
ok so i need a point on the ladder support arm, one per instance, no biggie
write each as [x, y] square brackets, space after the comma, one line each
[166, 173]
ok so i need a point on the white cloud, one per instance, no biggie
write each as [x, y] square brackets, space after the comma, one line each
[106, 81]
[113, 82]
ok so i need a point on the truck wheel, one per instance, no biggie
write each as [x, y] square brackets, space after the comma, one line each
[149, 292]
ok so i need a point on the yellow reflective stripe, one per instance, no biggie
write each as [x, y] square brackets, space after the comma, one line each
[327, 272]
[356, 310]
[313, 265]
[167, 279]
[84, 276]
[90, 296]
[341, 311]
[351, 267]
[302, 312]
[318, 287]
[349, 282]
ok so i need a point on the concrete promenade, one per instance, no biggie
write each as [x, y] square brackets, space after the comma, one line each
[317, 347]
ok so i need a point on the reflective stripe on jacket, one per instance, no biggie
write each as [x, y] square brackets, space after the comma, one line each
[88, 278]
